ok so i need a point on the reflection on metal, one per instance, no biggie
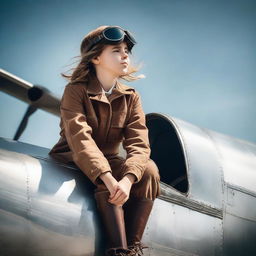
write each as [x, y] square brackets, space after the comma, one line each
[48, 207]
[169, 194]
[237, 160]
[65, 189]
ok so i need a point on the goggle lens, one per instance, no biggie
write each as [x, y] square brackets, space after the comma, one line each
[114, 34]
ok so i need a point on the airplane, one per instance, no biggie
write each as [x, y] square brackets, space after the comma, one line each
[207, 205]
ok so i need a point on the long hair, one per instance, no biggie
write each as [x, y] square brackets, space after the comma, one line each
[85, 67]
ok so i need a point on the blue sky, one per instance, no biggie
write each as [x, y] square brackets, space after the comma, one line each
[198, 58]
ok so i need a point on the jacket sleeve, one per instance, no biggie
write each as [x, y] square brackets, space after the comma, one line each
[136, 142]
[86, 154]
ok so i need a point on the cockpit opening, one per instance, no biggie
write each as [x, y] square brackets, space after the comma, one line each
[167, 152]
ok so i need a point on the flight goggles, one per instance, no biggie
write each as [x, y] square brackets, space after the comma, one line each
[113, 35]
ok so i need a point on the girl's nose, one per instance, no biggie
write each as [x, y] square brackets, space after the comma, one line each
[124, 55]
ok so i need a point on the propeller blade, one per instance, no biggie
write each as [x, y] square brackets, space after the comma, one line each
[35, 95]
[14, 86]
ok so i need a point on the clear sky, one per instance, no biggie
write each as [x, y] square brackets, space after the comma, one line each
[198, 57]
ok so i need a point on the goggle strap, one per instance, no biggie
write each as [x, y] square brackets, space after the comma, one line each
[95, 40]
[130, 37]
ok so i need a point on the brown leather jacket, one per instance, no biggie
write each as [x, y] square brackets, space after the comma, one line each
[93, 126]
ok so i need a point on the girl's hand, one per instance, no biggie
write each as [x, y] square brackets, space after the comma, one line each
[110, 182]
[122, 190]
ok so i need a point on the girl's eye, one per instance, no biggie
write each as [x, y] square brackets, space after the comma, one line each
[118, 51]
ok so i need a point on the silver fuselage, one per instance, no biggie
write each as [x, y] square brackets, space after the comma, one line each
[48, 208]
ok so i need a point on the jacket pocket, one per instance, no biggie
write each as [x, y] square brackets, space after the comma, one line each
[117, 126]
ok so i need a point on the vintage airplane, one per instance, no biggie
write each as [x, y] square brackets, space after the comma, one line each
[208, 185]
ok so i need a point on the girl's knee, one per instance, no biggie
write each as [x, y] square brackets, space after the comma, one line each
[149, 185]
[152, 170]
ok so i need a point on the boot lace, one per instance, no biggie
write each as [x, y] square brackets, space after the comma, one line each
[136, 248]
[119, 252]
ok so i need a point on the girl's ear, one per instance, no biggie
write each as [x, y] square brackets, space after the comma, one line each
[96, 60]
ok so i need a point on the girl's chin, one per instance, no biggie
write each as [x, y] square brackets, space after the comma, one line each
[124, 71]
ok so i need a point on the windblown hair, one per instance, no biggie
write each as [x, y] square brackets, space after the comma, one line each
[85, 67]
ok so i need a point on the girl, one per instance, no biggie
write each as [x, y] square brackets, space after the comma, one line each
[98, 112]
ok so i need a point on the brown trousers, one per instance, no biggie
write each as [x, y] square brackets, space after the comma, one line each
[147, 187]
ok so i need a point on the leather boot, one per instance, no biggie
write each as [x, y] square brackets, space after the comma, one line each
[119, 252]
[136, 212]
[113, 219]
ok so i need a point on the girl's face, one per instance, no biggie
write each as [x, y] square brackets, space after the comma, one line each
[114, 59]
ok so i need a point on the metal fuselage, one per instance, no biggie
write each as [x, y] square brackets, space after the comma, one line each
[48, 208]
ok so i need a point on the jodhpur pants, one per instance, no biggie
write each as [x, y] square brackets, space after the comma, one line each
[147, 187]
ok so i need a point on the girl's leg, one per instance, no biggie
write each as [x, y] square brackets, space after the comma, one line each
[138, 208]
[112, 216]
[149, 185]
[113, 219]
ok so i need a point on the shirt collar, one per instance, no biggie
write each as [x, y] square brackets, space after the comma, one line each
[94, 86]
[109, 91]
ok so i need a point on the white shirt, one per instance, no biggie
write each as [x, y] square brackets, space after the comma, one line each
[110, 90]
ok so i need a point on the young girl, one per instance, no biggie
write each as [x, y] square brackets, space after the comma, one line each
[98, 112]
